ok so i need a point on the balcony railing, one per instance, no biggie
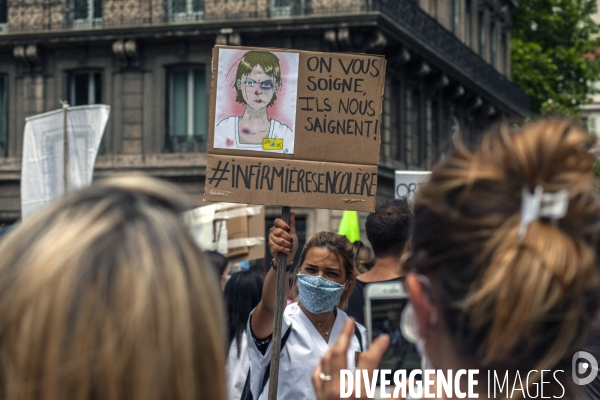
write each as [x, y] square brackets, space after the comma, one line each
[45, 15]
[35, 15]
[430, 33]
[186, 144]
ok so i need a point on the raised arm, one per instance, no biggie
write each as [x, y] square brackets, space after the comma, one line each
[282, 239]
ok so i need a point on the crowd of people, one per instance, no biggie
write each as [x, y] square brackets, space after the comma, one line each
[105, 295]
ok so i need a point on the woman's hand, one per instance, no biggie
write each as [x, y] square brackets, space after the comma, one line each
[283, 239]
[335, 360]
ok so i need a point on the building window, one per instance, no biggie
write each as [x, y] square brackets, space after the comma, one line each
[493, 45]
[186, 10]
[591, 123]
[188, 110]
[3, 16]
[455, 128]
[481, 35]
[436, 127]
[390, 119]
[433, 8]
[504, 53]
[468, 22]
[455, 12]
[85, 87]
[281, 8]
[3, 117]
[386, 118]
[411, 128]
[427, 160]
[85, 13]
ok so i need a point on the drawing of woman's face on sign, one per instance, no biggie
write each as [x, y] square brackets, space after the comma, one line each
[258, 88]
[256, 100]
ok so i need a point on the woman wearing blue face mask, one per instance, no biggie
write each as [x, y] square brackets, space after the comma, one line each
[325, 279]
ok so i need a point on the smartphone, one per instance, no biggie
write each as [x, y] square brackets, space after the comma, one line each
[384, 303]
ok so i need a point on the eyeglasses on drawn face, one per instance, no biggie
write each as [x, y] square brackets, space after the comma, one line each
[266, 85]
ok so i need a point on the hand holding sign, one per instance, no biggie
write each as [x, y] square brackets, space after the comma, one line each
[283, 239]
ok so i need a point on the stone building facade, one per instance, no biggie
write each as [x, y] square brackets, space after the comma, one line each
[150, 60]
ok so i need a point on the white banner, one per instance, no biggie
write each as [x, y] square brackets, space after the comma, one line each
[407, 183]
[42, 168]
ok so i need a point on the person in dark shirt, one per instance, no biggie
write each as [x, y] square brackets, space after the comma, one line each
[388, 230]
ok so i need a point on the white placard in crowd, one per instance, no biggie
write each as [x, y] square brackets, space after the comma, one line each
[42, 168]
[407, 183]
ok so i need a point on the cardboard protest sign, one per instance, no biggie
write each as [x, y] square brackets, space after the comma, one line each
[235, 230]
[407, 183]
[294, 128]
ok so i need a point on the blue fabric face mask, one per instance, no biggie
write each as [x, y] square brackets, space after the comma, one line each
[318, 294]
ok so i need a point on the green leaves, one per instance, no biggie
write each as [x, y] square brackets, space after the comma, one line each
[553, 54]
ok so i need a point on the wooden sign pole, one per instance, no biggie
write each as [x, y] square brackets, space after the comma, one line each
[279, 308]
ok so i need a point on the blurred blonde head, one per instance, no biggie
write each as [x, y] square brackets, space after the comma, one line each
[104, 295]
[512, 303]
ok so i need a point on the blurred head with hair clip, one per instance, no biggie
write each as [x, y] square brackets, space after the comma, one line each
[508, 301]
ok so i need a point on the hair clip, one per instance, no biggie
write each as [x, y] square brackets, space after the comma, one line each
[542, 205]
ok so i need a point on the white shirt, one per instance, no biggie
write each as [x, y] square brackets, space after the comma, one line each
[227, 136]
[237, 368]
[303, 351]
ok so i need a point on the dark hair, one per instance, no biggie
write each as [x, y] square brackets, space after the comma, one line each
[364, 257]
[344, 251]
[388, 228]
[242, 294]
[218, 261]
[513, 300]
